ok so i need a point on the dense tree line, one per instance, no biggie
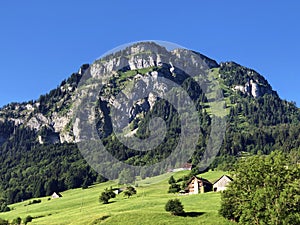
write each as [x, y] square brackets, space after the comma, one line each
[33, 170]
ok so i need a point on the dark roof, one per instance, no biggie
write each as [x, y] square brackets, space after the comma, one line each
[199, 178]
[222, 177]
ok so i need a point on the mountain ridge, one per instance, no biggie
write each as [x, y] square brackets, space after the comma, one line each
[19, 111]
[37, 142]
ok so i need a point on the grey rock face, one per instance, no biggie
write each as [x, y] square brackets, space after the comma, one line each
[59, 116]
[253, 89]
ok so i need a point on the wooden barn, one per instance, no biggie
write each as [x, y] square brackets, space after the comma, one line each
[198, 185]
[222, 183]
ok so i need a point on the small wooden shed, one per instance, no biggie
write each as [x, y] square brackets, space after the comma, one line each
[56, 195]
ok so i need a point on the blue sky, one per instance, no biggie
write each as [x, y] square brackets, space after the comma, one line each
[44, 42]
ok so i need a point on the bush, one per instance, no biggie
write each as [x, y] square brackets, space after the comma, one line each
[174, 188]
[180, 179]
[174, 206]
[3, 222]
[17, 221]
[129, 191]
[28, 219]
[172, 180]
[34, 201]
[3, 206]
[104, 198]
[106, 195]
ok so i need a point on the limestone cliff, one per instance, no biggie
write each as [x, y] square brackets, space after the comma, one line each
[51, 116]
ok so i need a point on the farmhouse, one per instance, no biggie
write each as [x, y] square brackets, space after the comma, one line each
[222, 183]
[198, 185]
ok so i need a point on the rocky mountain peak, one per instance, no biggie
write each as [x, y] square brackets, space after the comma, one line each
[143, 61]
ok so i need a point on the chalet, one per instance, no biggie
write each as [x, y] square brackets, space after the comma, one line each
[222, 183]
[198, 185]
[56, 195]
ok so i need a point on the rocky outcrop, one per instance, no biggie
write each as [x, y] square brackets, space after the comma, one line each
[49, 139]
[83, 69]
[244, 80]
[57, 113]
[37, 121]
[253, 89]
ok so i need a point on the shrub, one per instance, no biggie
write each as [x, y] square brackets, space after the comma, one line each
[28, 219]
[3, 222]
[174, 206]
[172, 180]
[17, 221]
[3, 206]
[35, 201]
[174, 188]
[104, 198]
[129, 191]
[106, 195]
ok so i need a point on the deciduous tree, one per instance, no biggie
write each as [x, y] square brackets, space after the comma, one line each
[265, 190]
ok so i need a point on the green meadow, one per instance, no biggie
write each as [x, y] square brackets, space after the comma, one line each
[81, 206]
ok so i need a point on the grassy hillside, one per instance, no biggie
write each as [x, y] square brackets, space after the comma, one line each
[81, 206]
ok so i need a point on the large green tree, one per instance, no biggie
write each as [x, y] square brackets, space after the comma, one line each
[265, 190]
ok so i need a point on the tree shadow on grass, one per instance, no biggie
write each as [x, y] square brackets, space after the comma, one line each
[110, 202]
[191, 214]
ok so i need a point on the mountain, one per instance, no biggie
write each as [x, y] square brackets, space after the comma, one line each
[38, 139]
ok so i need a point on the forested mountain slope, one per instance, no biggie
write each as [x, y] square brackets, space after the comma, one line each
[38, 151]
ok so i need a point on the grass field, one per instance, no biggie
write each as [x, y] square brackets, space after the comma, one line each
[81, 206]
